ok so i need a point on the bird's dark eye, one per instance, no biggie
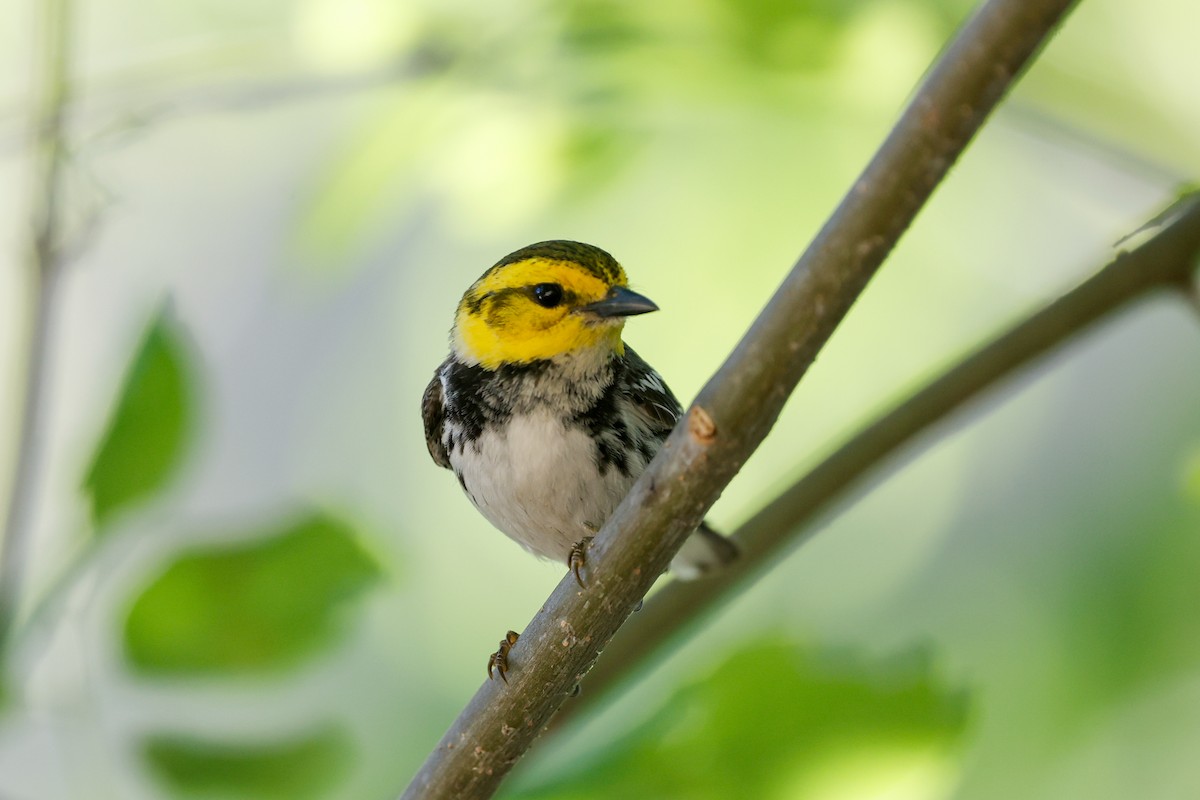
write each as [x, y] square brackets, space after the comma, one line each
[548, 295]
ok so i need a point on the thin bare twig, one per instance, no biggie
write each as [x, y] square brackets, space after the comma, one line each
[130, 100]
[740, 404]
[43, 259]
[1165, 262]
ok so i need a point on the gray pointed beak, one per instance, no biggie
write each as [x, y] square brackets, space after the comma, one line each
[620, 302]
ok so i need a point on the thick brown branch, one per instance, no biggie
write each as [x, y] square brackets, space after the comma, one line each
[42, 261]
[1166, 261]
[741, 401]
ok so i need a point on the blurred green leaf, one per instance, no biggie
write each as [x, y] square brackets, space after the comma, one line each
[374, 173]
[776, 721]
[302, 768]
[595, 154]
[260, 605]
[1191, 477]
[591, 26]
[147, 431]
[787, 34]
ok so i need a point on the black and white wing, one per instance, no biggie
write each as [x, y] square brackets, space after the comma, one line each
[649, 398]
[433, 413]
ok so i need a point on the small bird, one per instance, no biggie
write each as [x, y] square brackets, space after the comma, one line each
[545, 415]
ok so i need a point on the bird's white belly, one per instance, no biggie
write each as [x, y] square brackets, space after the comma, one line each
[537, 481]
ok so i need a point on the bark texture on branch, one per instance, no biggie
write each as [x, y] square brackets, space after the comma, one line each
[740, 403]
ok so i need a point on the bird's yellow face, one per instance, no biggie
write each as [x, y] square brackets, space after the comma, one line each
[543, 301]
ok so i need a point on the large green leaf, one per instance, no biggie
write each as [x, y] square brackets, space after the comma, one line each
[291, 770]
[775, 721]
[263, 603]
[146, 434]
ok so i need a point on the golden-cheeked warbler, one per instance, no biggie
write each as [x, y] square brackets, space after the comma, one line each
[545, 415]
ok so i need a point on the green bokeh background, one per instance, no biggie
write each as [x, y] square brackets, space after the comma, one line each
[284, 597]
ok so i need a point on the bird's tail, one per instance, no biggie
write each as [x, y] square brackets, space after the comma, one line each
[704, 552]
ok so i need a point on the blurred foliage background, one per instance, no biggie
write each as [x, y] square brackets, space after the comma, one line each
[249, 580]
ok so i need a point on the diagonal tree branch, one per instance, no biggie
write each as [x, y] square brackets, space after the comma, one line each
[42, 259]
[1192, 294]
[739, 405]
[1167, 261]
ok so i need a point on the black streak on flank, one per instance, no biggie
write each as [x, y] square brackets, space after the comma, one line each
[604, 424]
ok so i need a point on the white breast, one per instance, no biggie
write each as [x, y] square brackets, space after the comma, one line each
[537, 481]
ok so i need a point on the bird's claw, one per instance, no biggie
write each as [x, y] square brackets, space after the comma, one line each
[498, 661]
[577, 558]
